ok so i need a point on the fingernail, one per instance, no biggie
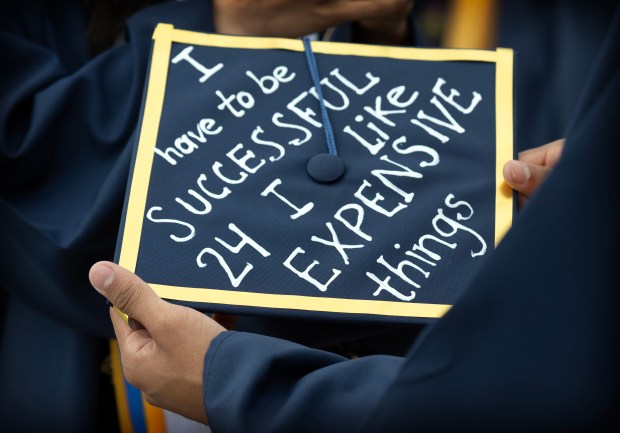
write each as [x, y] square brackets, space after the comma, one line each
[520, 172]
[101, 276]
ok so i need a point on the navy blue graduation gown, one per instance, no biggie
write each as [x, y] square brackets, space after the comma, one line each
[66, 125]
[532, 345]
[556, 42]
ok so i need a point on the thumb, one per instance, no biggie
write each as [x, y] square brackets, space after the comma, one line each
[127, 292]
[523, 177]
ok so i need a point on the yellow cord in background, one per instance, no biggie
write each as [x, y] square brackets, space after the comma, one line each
[471, 24]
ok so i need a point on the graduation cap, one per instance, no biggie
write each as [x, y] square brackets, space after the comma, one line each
[299, 179]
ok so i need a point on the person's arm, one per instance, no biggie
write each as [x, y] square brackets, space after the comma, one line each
[249, 382]
[377, 21]
[526, 174]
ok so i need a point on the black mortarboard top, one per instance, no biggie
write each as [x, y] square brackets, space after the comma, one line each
[317, 179]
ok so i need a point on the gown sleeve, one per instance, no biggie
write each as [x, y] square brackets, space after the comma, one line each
[263, 384]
